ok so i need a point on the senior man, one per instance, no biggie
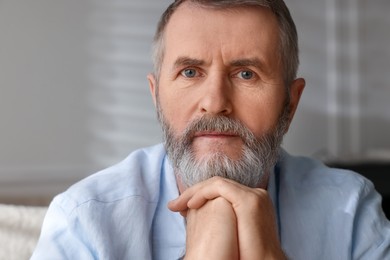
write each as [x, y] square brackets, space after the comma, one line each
[225, 90]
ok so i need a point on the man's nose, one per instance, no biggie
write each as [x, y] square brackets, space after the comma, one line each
[216, 95]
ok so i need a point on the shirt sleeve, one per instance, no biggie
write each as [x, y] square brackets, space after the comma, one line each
[58, 239]
[371, 233]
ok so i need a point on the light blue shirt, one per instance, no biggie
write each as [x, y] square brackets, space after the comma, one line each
[121, 213]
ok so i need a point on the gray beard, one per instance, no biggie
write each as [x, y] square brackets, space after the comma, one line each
[258, 156]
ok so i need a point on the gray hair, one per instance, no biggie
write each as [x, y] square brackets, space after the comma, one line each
[288, 34]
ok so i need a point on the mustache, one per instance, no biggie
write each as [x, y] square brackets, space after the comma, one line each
[221, 124]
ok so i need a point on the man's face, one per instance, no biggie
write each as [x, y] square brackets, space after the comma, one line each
[220, 64]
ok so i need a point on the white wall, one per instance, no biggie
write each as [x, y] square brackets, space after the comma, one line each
[345, 57]
[43, 80]
[74, 96]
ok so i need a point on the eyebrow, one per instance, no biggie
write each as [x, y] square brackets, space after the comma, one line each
[187, 61]
[254, 62]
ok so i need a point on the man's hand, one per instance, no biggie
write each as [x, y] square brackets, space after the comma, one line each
[256, 225]
[212, 232]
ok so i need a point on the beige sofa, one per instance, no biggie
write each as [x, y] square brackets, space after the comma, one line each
[19, 230]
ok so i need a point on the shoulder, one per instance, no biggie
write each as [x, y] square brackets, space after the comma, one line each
[304, 179]
[304, 172]
[138, 175]
[341, 205]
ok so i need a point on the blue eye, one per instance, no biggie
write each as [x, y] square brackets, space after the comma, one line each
[189, 73]
[246, 74]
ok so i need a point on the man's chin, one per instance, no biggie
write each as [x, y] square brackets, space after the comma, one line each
[230, 146]
[214, 155]
[212, 152]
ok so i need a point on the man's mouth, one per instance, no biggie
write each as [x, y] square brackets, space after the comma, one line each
[214, 134]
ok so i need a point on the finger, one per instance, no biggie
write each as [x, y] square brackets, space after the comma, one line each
[184, 213]
[197, 195]
[217, 187]
[180, 203]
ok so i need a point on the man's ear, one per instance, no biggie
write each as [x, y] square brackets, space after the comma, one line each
[296, 90]
[152, 86]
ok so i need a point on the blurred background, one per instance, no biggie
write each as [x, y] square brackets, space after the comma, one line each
[74, 96]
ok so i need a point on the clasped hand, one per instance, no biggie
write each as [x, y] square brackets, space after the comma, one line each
[227, 220]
